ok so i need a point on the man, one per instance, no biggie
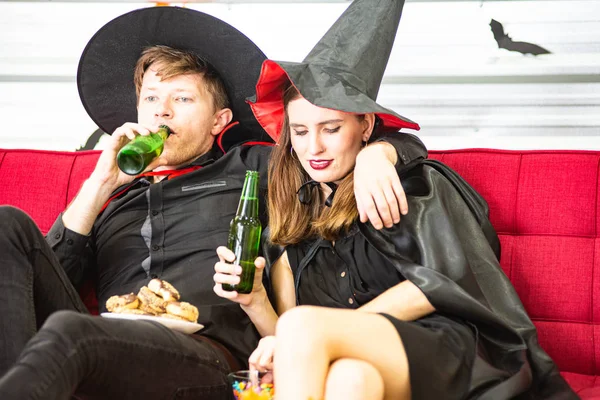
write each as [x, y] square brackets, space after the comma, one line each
[165, 223]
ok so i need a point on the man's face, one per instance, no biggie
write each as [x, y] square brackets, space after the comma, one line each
[185, 105]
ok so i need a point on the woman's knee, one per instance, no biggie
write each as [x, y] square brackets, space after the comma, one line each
[353, 379]
[303, 322]
[303, 332]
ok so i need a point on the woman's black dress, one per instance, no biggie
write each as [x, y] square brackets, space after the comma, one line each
[441, 350]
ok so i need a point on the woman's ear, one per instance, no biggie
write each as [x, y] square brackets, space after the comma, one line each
[368, 125]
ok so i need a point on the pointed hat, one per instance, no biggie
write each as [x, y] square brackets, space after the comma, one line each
[342, 72]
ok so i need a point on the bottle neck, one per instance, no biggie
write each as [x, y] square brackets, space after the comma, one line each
[163, 131]
[248, 205]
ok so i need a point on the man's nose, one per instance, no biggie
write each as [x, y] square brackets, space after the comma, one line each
[163, 109]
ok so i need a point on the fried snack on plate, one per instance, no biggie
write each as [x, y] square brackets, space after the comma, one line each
[159, 298]
[147, 309]
[164, 289]
[123, 302]
[183, 310]
[151, 300]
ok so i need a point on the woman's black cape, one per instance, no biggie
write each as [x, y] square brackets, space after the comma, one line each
[448, 248]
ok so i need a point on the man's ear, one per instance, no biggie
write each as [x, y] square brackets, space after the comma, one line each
[222, 118]
[368, 125]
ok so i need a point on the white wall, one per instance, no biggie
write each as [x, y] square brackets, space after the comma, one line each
[445, 71]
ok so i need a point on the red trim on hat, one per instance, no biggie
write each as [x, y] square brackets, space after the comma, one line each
[268, 108]
[393, 122]
[220, 136]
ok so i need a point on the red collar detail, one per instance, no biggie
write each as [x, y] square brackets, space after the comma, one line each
[172, 173]
[258, 144]
[220, 137]
[115, 196]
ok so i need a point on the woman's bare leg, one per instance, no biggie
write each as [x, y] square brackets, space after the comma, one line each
[309, 339]
[351, 379]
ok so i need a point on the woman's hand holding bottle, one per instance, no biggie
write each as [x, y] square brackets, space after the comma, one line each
[228, 273]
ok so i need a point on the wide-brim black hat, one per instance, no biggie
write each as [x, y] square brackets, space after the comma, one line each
[342, 72]
[105, 77]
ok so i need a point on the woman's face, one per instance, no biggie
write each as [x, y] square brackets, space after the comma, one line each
[326, 141]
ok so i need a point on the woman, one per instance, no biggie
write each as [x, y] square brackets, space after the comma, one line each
[333, 351]
[420, 310]
[337, 355]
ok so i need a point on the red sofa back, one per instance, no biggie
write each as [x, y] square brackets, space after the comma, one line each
[544, 205]
[42, 183]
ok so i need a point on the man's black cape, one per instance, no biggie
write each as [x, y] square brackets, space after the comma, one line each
[448, 248]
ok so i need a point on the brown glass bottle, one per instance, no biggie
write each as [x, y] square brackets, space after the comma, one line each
[244, 234]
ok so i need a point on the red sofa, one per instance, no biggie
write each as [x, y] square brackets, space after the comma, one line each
[544, 205]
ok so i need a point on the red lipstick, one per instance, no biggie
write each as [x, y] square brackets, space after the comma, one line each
[319, 164]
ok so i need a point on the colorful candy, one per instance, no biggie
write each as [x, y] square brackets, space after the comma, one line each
[246, 391]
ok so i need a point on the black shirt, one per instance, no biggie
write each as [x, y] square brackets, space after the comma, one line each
[346, 275]
[171, 230]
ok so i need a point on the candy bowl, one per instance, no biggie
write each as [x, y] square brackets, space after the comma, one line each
[252, 385]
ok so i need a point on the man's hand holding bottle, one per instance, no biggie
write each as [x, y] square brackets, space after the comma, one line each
[107, 171]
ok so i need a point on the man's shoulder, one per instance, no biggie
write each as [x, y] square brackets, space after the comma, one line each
[237, 135]
[254, 147]
[236, 161]
[251, 153]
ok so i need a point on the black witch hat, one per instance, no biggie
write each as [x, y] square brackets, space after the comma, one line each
[342, 72]
[105, 73]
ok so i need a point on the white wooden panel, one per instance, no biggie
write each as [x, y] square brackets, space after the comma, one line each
[445, 71]
[43, 116]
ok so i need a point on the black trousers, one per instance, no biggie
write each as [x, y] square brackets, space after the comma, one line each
[51, 348]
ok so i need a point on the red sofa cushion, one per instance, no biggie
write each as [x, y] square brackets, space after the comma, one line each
[42, 183]
[544, 205]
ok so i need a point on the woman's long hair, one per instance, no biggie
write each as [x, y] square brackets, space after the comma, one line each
[291, 221]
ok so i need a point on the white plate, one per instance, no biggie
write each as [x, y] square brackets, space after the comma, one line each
[175, 324]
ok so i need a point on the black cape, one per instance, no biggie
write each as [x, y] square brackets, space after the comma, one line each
[448, 248]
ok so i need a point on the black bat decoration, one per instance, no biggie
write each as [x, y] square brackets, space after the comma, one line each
[505, 42]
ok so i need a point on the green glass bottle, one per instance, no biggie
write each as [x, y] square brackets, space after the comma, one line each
[136, 155]
[244, 234]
